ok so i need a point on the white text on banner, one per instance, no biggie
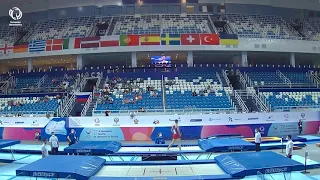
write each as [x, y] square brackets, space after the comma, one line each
[25, 122]
[192, 120]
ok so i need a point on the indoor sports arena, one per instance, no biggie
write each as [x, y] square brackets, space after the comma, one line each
[150, 89]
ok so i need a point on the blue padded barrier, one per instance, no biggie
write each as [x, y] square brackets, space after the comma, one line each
[94, 147]
[7, 143]
[295, 138]
[249, 163]
[222, 145]
[74, 167]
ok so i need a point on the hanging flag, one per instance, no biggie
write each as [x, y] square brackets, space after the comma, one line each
[6, 48]
[229, 39]
[129, 40]
[20, 48]
[76, 44]
[170, 39]
[37, 46]
[190, 39]
[209, 39]
[90, 42]
[54, 44]
[107, 41]
[150, 39]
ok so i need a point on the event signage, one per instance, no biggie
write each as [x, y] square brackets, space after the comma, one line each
[25, 122]
[191, 120]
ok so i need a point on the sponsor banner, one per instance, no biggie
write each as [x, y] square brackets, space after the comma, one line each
[117, 133]
[25, 122]
[192, 120]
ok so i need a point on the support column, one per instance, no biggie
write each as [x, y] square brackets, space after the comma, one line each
[190, 59]
[292, 59]
[134, 59]
[244, 59]
[79, 62]
[30, 65]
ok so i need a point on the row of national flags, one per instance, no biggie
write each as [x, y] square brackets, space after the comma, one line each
[120, 40]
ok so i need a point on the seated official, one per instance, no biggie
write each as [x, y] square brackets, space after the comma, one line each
[159, 139]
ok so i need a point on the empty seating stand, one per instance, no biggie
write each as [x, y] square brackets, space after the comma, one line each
[287, 100]
[161, 24]
[28, 105]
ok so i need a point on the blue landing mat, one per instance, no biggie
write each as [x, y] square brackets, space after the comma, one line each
[249, 163]
[6, 143]
[310, 137]
[222, 145]
[76, 167]
[94, 147]
[295, 138]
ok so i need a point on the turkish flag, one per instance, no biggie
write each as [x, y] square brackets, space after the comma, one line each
[190, 39]
[210, 39]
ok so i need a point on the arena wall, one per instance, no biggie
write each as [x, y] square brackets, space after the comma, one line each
[145, 128]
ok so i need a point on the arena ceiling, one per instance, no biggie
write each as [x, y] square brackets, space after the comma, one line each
[28, 6]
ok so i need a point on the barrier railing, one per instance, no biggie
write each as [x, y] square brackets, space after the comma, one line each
[314, 78]
[83, 82]
[69, 105]
[296, 108]
[259, 102]
[219, 78]
[243, 106]
[41, 81]
[168, 111]
[100, 76]
[86, 106]
[225, 76]
[242, 79]
[284, 78]
[163, 89]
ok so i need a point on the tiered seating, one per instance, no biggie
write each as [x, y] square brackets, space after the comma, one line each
[28, 105]
[312, 28]
[209, 92]
[148, 24]
[25, 82]
[265, 78]
[49, 81]
[244, 25]
[141, 87]
[62, 28]
[157, 24]
[80, 27]
[257, 26]
[176, 24]
[299, 78]
[8, 34]
[291, 99]
[273, 27]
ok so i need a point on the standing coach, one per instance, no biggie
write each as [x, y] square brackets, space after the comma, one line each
[257, 139]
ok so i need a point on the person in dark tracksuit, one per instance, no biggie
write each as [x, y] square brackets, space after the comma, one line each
[72, 138]
[300, 126]
[257, 139]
